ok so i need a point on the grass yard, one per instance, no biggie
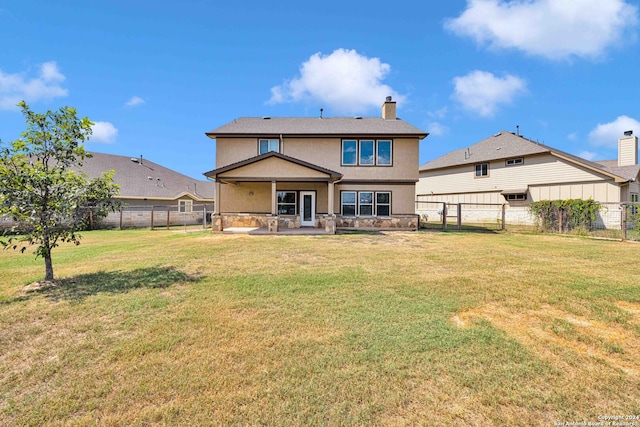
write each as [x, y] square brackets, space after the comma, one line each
[161, 327]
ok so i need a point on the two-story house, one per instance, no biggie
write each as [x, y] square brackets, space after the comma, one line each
[508, 168]
[338, 172]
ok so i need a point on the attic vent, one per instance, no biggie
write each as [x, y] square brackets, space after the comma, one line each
[149, 178]
[498, 134]
[266, 118]
[135, 160]
[358, 117]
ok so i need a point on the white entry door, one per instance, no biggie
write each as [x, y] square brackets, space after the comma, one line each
[307, 208]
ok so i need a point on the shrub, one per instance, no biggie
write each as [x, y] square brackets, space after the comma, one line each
[565, 215]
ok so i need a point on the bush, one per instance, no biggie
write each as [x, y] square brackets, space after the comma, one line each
[565, 215]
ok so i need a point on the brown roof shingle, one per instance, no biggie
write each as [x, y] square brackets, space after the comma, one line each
[147, 179]
[309, 126]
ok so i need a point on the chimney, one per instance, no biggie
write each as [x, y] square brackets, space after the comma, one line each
[389, 109]
[628, 149]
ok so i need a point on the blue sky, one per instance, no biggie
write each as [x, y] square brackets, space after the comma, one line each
[155, 75]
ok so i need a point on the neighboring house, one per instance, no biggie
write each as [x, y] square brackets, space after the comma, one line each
[508, 168]
[146, 186]
[355, 172]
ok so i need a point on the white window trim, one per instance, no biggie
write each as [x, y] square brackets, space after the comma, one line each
[374, 204]
[354, 204]
[390, 152]
[342, 153]
[383, 204]
[375, 153]
[475, 170]
[269, 141]
[516, 161]
[295, 203]
[185, 205]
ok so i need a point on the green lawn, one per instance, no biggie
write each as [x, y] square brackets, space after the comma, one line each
[173, 328]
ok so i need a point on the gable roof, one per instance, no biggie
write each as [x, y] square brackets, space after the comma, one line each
[272, 154]
[505, 145]
[314, 126]
[143, 179]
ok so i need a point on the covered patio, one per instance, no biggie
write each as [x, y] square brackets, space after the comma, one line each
[274, 192]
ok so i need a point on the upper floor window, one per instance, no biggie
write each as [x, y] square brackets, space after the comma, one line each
[349, 152]
[482, 170]
[266, 145]
[367, 152]
[367, 155]
[513, 162]
[383, 154]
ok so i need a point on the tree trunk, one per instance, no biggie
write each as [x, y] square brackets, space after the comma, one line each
[46, 254]
[48, 267]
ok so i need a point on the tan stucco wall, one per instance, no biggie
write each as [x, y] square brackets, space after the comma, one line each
[274, 168]
[231, 150]
[326, 153]
[547, 176]
[236, 198]
[402, 196]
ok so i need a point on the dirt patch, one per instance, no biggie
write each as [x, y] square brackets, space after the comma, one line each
[548, 328]
[42, 284]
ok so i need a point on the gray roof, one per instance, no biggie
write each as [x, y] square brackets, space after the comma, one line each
[313, 126]
[630, 172]
[147, 179]
[505, 145]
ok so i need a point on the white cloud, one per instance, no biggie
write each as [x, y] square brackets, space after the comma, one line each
[482, 92]
[550, 28]
[589, 155]
[344, 81]
[104, 132]
[437, 129]
[45, 86]
[136, 100]
[607, 134]
[439, 114]
[572, 136]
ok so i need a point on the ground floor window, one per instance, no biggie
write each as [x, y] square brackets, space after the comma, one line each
[383, 203]
[185, 206]
[365, 203]
[516, 197]
[287, 203]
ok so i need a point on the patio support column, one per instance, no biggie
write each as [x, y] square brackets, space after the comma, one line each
[330, 196]
[274, 199]
[216, 204]
[216, 218]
